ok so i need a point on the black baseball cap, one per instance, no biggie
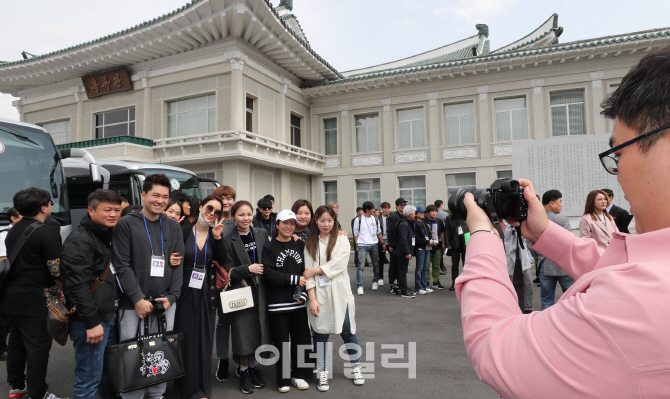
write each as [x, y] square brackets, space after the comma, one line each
[400, 201]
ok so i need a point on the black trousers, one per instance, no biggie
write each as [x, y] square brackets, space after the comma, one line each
[29, 345]
[293, 325]
[382, 261]
[455, 255]
[393, 264]
[402, 264]
[4, 331]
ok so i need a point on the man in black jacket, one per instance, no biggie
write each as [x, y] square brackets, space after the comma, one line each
[265, 218]
[454, 236]
[404, 249]
[393, 220]
[85, 265]
[621, 217]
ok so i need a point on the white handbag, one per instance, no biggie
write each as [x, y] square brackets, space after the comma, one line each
[237, 299]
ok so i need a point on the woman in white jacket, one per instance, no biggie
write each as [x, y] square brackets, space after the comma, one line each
[331, 303]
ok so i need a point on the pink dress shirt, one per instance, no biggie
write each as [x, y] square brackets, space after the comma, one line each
[607, 337]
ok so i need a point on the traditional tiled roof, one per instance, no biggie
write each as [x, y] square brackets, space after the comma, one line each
[456, 55]
[292, 23]
[554, 48]
[548, 28]
[144, 24]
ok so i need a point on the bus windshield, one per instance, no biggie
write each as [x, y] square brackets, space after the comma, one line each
[28, 158]
[188, 183]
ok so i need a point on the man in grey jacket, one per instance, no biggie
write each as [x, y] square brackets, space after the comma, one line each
[550, 273]
[142, 245]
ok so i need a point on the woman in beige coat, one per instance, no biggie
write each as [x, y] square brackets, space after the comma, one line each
[596, 222]
[331, 303]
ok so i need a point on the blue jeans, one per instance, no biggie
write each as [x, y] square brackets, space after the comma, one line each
[347, 337]
[362, 255]
[420, 274]
[548, 287]
[89, 377]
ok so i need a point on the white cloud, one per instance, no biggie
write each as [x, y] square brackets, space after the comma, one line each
[404, 22]
[475, 11]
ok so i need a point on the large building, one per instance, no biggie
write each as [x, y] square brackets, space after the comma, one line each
[232, 89]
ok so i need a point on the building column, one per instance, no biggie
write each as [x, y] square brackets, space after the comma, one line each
[77, 131]
[387, 135]
[282, 131]
[237, 102]
[147, 132]
[433, 127]
[537, 128]
[285, 190]
[596, 123]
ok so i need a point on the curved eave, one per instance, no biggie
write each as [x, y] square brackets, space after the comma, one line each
[543, 35]
[195, 25]
[612, 46]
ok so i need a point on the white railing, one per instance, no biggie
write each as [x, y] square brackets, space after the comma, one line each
[236, 135]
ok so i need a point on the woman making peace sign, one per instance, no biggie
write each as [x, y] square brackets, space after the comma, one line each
[196, 313]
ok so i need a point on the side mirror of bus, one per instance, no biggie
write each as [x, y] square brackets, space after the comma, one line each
[95, 173]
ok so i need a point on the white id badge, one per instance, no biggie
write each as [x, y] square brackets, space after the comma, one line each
[197, 277]
[157, 266]
[324, 281]
[427, 238]
[111, 268]
[413, 241]
[460, 230]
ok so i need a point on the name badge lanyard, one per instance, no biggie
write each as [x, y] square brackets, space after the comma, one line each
[195, 238]
[422, 226]
[198, 274]
[151, 245]
[272, 227]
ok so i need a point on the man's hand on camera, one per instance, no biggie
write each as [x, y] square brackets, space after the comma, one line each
[537, 220]
[143, 308]
[477, 218]
[166, 303]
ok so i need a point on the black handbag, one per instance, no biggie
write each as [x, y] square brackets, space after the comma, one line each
[146, 360]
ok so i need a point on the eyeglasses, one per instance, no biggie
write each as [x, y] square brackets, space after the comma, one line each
[51, 202]
[610, 160]
[210, 209]
[402, 205]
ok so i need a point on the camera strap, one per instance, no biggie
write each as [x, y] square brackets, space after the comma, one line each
[493, 215]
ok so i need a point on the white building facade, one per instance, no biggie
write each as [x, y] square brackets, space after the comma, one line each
[231, 89]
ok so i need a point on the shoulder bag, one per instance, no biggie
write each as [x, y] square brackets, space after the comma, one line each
[237, 299]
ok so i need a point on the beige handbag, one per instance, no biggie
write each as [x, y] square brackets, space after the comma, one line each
[237, 299]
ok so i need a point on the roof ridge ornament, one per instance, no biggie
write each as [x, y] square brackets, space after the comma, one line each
[287, 4]
[483, 30]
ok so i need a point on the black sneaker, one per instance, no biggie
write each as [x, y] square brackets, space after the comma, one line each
[256, 377]
[407, 294]
[452, 288]
[443, 271]
[438, 286]
[245, 382]
[222, 370]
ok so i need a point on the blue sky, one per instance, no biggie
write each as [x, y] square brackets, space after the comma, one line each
[348, 34]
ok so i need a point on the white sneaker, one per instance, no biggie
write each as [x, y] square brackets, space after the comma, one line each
[358, 376]
[52, 396]
[422, 292]
[322, 385]
[360, 290]
[299, 383]
[284, 389]
[429, 290]
[374, 286]
[380, 282]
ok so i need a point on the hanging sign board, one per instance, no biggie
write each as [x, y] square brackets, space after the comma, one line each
[108, 82]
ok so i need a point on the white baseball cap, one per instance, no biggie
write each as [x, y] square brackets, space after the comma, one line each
[285, 215]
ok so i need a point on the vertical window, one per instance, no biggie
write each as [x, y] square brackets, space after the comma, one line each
[250, 114]
[511, 119]
[410, 128]
[295, 130]
[207, 188]
[115, 123]
[459, 123]
[461, 180]
[59, 131]
[413, 189]
[367, 133]
[192, 116]
[567, 113]
[330, 191]
[504, 174]
[330, 136]
[369, 190]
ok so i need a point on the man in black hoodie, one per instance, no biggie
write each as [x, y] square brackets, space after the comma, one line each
[90, 285]
[265, 218]
[142, 245]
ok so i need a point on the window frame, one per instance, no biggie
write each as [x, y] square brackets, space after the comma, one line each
[567, 111]
[447, 187]
[67, 134]
[128, 122]
[355, 130]
[356, 191]
[460, 133]
[337, 138]
[292, 127]
[495, 116]
[412, 133]
[169, 101]
[425, 181]
[253, 118]
[502, 170]
[326, 193]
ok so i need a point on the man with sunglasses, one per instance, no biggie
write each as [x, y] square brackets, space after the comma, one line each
[393, 221]
[607, 337]
[265, 218]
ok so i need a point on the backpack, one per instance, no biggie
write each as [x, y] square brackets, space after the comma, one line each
[360, 220]
[5, 264]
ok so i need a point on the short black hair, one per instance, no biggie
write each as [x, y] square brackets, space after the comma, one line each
[29, 202]
[431, 208]
[101, 195]
[359, 209]
[609, 192]
[642, 100]
[551, 195]
[157, 179]
[270, 197]
[438, 203]
[179, 196]
[194, 202]
[124, 199]
[130, 208]
[12, 213]
[264, 203]
[367, 205]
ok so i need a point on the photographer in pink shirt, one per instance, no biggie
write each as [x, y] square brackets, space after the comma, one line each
[609, 334]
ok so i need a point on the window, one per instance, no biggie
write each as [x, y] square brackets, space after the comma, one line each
[410, 128]
[413, 189]
[192, 116]
[567, 113]
[330, 136]
[511, 119]
[368, 190]
[207, 188]
[461, 180]
[250, 114]
[459, 123]
[59, 131]
[504, 174]
[330, 191]
[295, 130]
[115, 123]
[367, 133]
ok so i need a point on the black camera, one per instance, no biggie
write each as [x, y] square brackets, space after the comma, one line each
[159, 308]
[504, 200]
